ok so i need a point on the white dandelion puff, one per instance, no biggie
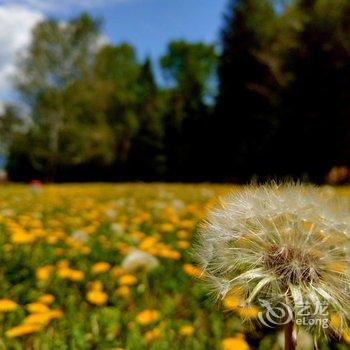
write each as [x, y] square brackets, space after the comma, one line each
[138, 260]
[80, 236]
[282, 244]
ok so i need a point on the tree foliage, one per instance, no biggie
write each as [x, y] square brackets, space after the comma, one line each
[190, 70]
[283, 86]
[59, 55]
[275, 101]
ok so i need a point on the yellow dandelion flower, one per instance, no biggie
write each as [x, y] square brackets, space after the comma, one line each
[147, 317]
[7, 305]
[187, 224]
[63, 263]
[56, 313]
[192, 270]
[153, 335]
[85, 250]
[96, 285]
[52, 239]
[118, 271]
[183, 234]
[235, 343]
[186, 330]
[123, 248]
[39, 233]
[100, 267]
[148, 243]
[76, 275]
[128, 280]
[346, 337]
[34, 308]
[136, 236]
[335, 321]
[46, 299]
[168, 253]
[231, 302]
[22, 237]
[183, 244]
[63, 272]
[97, 297]
[22, 330]
[123, 291]
[248, 311]
[43, 318]
[43, 273]
[166, 228]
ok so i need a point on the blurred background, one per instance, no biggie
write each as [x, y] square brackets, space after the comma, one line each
[126, 91]
[164, 90]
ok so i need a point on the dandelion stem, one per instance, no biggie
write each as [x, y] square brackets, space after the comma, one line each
[289, 339]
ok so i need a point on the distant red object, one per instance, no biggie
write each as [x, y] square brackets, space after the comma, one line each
[36, 182]
[36, 186]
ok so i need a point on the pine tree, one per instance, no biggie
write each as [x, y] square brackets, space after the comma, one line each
[145, 160]
[244, 119]
[316, 102]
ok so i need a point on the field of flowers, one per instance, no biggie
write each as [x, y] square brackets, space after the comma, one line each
[110, 267]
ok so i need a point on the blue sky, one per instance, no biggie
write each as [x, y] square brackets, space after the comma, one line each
[147, 24]
[150, 24]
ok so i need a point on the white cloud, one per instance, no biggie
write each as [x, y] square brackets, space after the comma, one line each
[64, 6]
[16, 23]
[17, 19]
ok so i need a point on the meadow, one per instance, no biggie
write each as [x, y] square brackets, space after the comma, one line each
[110, 267]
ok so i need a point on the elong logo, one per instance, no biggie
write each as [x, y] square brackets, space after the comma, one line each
[281, 314]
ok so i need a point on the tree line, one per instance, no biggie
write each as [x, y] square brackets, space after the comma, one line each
[271, 101]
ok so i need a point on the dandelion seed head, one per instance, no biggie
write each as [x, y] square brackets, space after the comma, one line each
[283, 244]
[138, 260]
